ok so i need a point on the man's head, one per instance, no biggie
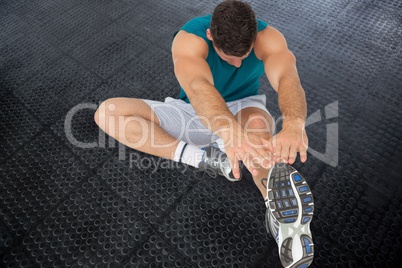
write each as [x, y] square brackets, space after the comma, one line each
[233, 28]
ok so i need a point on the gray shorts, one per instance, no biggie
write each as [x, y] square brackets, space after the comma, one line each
[179, 119]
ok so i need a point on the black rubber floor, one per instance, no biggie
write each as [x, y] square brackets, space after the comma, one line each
[108, 206]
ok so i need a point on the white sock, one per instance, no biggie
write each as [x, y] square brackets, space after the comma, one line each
[221, 144]
[188, 154]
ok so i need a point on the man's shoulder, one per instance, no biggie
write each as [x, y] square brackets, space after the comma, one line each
[270, 34]
[269, 41]
[187, 44]
[198, 27]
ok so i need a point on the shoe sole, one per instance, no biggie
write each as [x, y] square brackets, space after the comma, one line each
[292, 205]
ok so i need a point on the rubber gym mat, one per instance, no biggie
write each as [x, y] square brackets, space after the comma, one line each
[70, 196]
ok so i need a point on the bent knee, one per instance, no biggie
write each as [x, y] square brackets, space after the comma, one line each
[106, 108]
[114, 108]
[258, 121]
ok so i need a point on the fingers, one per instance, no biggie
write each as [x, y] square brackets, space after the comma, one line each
[266, 144]
[303, 153]
[256, 153]
[252, 163]
[234, 162]
[253, 159]
[292, 155]
[258, 146]
[250, 160]
[263, 158]
[277, 149]
[286, 151]
[303, 149]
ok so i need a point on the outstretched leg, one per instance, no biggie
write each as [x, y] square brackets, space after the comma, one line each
[288, 198]
[257, 122]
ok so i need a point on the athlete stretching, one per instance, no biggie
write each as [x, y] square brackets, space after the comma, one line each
[220, 120]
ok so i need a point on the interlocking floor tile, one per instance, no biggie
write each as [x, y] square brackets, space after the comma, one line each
[149, 185]
[363, 19]
[224, 225]
[90, 227]
[17, 257]
[67, 29]
[23, 58]
[110, 49]
[113, 9]
[56, 89]
[34, 180]
[17, 126]
[157, 253]
[150, 76]
[159, 20]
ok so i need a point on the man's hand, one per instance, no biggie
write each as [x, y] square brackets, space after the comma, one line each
[292, 139]
[247, 147]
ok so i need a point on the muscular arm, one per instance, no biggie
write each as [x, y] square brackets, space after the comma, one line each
[194, 75]
[292, 100]
[280, 68]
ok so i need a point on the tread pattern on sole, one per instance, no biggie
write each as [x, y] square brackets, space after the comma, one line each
[291, 204]
[282, 197]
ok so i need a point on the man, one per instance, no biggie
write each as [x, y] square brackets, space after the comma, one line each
[220, 119]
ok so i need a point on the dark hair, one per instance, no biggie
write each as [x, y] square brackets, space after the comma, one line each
[233, 27]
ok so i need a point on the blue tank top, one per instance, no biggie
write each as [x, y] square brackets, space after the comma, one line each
[231, 82]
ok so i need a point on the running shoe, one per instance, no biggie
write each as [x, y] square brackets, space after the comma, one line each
[290, 209]
[216, 162]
